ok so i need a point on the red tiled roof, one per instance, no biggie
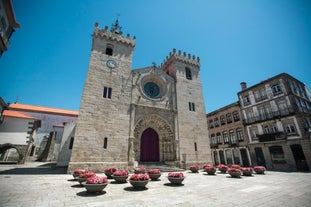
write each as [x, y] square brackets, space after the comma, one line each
[17, 114]
[41, 109]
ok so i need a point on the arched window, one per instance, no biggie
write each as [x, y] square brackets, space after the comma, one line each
[188, 74]
[109, 50]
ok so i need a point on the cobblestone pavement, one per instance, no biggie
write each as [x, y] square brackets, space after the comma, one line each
[43, 186]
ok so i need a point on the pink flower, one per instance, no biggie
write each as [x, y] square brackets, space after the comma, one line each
[96, 180]
[194, 167]
[111, 169]
[154, 171]
[140, 177]
[120, 173]
[87, 174]
[233, 170]
[235, 166]
[176, 174]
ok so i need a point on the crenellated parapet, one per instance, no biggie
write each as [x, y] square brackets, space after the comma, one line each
[181, 56]
[114, 34]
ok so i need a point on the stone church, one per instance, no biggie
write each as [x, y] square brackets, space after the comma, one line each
[131, 117]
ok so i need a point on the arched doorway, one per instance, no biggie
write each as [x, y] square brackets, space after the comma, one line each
[149, 146]
[20, 151]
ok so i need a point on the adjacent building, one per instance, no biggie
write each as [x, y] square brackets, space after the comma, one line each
[39, 129]
[228, 140]
[277, 119]
[7, 24]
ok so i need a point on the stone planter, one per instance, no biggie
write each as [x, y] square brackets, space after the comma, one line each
[235, 174]
[247, 171]
[210, 171]
[223, 170]
[108, 174]
[120, 179]
[95, 188]
[81, 180]
[260, 169]
[139, 184]
[194, 170]
[175, 180]
[154, 176]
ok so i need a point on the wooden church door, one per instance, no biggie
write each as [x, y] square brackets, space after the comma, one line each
[149, 146]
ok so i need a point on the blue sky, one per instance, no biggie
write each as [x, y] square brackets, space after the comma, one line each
[241, 40]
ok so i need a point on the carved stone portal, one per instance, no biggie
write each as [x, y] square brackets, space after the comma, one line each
[167, 146]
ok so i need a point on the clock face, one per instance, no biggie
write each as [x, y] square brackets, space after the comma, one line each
[151, 89]
[111, 64]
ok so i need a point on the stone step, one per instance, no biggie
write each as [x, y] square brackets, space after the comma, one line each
[162, 167]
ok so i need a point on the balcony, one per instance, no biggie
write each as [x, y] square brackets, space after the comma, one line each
[269, 116]
[214, 146]
[271, 137]
[233, 144]
[261, 98]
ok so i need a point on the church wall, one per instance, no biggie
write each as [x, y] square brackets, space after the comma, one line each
[192, 126]
[101, 118]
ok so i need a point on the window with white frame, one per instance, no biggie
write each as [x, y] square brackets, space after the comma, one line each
[232, 136]
[253, 133]
[213, 139]
[246, 100]
[289, 127]
[219, 139]
[276, 89]
[225, 136]
[239, 134]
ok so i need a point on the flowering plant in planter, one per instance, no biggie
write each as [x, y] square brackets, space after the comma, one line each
[234, 172]
[247, 171]
[139, 177]
[95, 184]
[210, 169]
[176, 174]
[154, 174]
[176, 178]
[194, 168]
[235, 166]
[120, 176]
[154, 171]
[139, 181]
[121, 173]
[140, 169]
[84, 176]
[259, 169]
[77, 172]
[96, 180]
[87, 174]
[207, 165]
[223, 168]
[109, 171]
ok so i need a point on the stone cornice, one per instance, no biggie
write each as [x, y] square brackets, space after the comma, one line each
[182, 57]
[113, 36]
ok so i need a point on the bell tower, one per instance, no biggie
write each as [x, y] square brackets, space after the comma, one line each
[102, 131]
[191, 130]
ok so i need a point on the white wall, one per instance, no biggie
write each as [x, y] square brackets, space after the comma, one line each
[14, 130]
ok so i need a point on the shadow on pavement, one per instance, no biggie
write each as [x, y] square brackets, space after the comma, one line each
[46, 168]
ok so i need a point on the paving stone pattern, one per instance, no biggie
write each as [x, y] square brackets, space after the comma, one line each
[47, 188]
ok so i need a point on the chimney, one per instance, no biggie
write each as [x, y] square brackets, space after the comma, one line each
[243, 86]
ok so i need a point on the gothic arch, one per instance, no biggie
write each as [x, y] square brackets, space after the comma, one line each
[167, 145]
[21, 150]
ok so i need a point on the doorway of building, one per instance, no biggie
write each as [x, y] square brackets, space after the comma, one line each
[149, 146]
[299, 157]
[260, 157]
[244, 157]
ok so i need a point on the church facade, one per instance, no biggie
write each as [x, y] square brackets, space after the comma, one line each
[129, 117]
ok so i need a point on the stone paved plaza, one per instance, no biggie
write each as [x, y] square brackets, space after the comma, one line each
[42, 185]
